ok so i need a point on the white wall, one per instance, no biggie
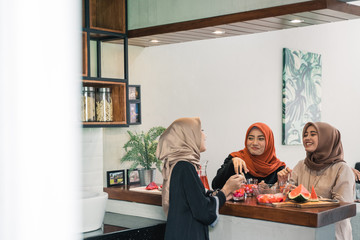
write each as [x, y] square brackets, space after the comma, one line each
[92, 159]
[232, 82]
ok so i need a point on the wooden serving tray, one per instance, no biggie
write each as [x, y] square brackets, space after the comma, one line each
[308, 204]
[143, 190]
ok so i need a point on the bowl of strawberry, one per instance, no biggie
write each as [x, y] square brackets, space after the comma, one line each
[268, 194]
[239, 195]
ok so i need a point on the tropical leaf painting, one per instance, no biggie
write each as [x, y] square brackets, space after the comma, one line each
[301, 93]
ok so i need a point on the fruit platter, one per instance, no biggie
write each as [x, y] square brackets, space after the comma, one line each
[299, 197]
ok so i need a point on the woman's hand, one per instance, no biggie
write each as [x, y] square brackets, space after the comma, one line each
[283, 175]
[357, 174]
[263, 185]
[233, 184]
[239, 165]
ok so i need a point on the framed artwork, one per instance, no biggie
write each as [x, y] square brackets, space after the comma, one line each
[132, 176]
[134, 112]
[115, 178]
[134, 92]
[301, 93]
[134, 105]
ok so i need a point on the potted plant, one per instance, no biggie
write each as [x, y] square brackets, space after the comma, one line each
[141, 151]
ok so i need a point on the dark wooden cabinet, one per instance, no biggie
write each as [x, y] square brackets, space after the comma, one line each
[108, 15]
[105, 21]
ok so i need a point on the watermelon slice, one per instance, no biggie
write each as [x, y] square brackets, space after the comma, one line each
[313, 197]
[299, 194]
[152, 186]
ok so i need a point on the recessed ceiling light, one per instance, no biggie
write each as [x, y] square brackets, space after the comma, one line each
[218, 32]
[296, 21]
[154, 41]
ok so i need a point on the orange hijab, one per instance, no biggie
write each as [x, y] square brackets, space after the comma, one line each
[266, 163]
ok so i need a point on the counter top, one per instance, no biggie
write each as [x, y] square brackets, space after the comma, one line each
[309, 217]
[123, 193]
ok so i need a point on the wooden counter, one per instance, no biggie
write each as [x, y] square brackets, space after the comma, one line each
[309, 217]
[122, 193]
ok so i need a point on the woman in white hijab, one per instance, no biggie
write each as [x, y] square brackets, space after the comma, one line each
[189, 208]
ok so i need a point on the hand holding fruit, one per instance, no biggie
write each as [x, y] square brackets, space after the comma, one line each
[232, 184]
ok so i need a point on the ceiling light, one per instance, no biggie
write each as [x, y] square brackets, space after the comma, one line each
[218, 32]
[154, 41]
[296, 21]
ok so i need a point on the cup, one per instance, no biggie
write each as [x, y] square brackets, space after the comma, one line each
[239, 195]
[251, 184]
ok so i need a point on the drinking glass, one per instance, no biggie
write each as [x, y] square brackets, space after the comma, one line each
[251, 183]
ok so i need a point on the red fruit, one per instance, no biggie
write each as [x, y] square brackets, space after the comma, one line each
[152, 186]
[270, 198]
[299, 194]
[239, 193]
[313, 196]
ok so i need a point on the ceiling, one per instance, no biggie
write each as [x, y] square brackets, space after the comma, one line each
[256, 21]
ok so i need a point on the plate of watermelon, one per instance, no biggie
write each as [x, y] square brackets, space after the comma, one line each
[300, 197]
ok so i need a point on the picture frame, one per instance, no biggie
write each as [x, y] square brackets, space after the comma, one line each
[301, 93]
[132, 176]
[134, 100]
[134, 112]
[115, 178]
[134, 92]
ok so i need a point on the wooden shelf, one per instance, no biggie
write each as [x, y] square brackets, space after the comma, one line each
[107, 15]
[118, 94]
[102, 21]
[84, 54]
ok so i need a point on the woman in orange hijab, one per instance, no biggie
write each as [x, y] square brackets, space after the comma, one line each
[257, 160]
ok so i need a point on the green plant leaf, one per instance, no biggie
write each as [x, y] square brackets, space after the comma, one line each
[141, 148]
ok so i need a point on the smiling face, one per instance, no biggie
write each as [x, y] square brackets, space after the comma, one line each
[256, 142]
[310, 139]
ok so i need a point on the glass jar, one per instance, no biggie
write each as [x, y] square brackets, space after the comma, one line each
[203, 175]
[88, 104]
[104, 105]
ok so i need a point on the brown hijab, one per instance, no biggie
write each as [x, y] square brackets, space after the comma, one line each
[266, 163]
[180, 142]
[329, 149]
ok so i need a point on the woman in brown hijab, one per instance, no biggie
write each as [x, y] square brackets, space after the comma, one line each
[325, 169]
[189, 208]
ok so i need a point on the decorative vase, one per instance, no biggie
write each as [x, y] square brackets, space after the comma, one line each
[147, 176]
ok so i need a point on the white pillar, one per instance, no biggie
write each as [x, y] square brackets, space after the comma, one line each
[40, 59]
